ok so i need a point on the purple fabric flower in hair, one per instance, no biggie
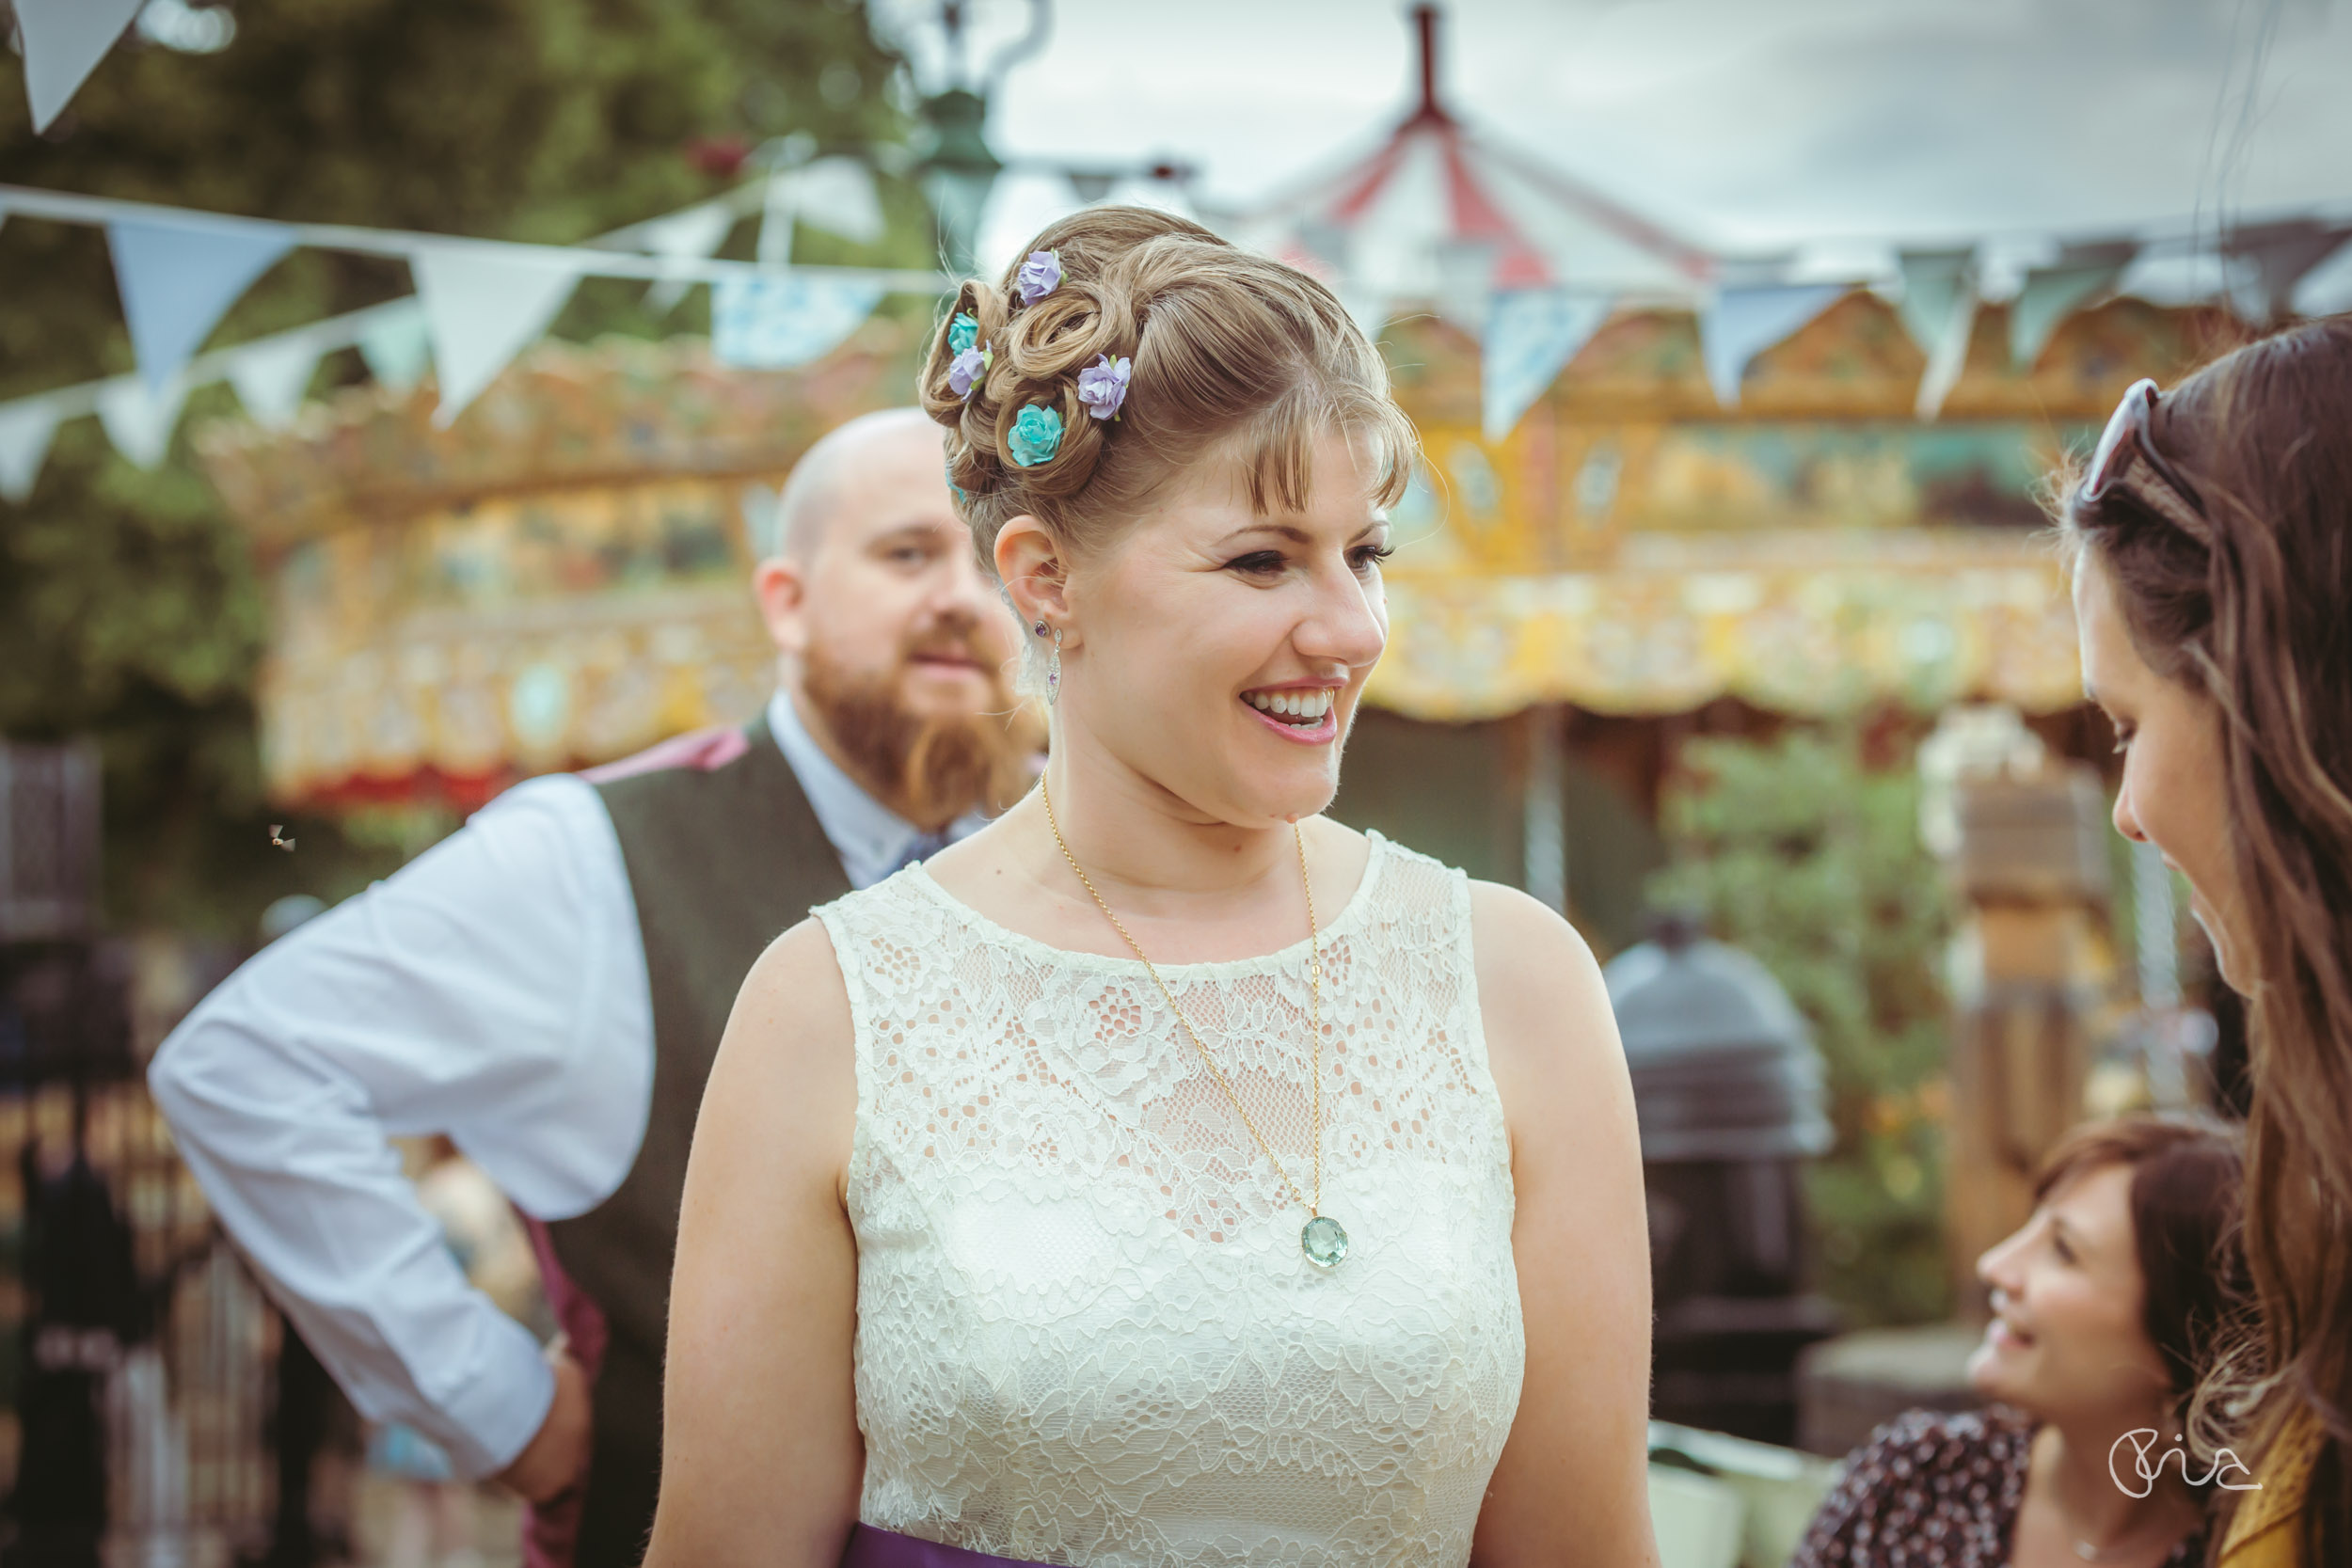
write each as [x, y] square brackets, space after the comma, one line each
[1040, 276]
[1102, 386]
[965, 369]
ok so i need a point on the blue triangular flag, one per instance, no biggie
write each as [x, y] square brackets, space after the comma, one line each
[1531, 335]
[178, 278]
[1742, 322]
[775, 322]
[63, 41]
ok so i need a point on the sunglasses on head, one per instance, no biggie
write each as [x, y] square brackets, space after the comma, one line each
[2128, 438]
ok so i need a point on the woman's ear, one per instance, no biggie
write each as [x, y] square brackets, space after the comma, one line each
[1030, 564]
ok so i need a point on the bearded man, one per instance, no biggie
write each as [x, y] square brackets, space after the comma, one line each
[547, 988]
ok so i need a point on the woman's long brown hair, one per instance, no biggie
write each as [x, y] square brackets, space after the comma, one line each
[2257, 617]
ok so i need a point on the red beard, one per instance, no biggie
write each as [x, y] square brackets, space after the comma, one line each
[928, 770]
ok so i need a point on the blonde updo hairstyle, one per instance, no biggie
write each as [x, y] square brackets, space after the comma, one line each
[1235, 356]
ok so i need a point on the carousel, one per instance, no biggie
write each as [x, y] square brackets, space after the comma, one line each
[1655, 539]
[562, 577]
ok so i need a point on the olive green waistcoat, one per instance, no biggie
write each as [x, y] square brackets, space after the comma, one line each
[721, 859]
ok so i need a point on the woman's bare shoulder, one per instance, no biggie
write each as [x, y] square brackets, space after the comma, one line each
[1550, 1036]
[1527, 954]
[798, 978]
[788, 1062]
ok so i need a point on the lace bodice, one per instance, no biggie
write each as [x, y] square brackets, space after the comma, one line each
[1085, 1332]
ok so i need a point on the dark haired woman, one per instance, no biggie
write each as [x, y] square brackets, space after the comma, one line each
[2106, 1305]
[2212, 541]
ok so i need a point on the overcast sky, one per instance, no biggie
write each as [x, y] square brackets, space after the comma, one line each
[1744, 123]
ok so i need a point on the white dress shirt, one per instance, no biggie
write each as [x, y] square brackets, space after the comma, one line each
[493, 990]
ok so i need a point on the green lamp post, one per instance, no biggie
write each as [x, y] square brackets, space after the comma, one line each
[958, 170]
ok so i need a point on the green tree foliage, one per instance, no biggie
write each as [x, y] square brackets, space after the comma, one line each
[1811, 861]
[128, 606]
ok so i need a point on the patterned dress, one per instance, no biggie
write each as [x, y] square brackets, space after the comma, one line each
[1933, 1489]
[1087, 1333]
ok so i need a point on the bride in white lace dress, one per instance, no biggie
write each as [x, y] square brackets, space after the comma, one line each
[1166, 1174]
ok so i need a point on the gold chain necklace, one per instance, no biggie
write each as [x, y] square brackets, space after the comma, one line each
[1322, 1239]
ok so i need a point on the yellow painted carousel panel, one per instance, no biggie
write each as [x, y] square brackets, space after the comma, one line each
[452, 693]
[563, 415]
[1809, 639]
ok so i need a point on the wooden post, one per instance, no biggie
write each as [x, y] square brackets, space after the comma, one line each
[2031, 961]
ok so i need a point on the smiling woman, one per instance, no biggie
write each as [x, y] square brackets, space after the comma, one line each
[2110, 1306]
[2212, 541]
[1166, 1174]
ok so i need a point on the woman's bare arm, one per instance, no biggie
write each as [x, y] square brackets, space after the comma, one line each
[761, 1459]
[1572, 1486]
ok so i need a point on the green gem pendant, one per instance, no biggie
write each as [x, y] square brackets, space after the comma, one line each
[1324, 1241]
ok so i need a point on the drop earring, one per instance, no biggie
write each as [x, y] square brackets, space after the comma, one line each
[1053, 672]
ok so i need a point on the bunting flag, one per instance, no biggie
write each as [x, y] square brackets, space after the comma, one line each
[178, 278]
[692, 235]
[2281, 255]
[1531, 335]
[2326, 289]
[789, 319]
[397, 347]
[2052, 293]
[138, 421]
[836, 195]
[63, 41]
[1939, 309]
[273, 376]
[482, 304]
[25, 429]
[1742, 322]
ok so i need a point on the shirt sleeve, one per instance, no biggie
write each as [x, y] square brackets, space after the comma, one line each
[494, 990]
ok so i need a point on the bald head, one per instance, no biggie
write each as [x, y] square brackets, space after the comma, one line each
[871, 462]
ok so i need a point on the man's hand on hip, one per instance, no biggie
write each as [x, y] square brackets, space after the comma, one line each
[556, 1457]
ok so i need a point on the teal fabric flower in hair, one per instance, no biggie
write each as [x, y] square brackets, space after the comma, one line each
[962, 332]
[1035, 436]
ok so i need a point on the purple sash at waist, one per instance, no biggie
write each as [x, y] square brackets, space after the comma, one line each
[881, 1548]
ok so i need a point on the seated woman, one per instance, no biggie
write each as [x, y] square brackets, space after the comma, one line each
[2106, 1305]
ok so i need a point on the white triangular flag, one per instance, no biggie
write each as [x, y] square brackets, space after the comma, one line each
[778, 320]
[690, 236]
[64, 40]
[482, 304]
[836, 195]
[273, 375]
[137, 421]
[1742, 322]
[1531, 335]
[26, 427]
[179, 275]
[396, 346]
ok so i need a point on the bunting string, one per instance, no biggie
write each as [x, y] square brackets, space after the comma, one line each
[478, 302]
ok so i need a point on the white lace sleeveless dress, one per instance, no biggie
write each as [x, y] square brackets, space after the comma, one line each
[1085, 1332]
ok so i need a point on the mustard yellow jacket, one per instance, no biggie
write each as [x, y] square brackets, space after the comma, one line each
[2264, 1533]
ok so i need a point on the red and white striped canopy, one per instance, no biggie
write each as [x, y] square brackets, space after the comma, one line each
[1440, 214]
